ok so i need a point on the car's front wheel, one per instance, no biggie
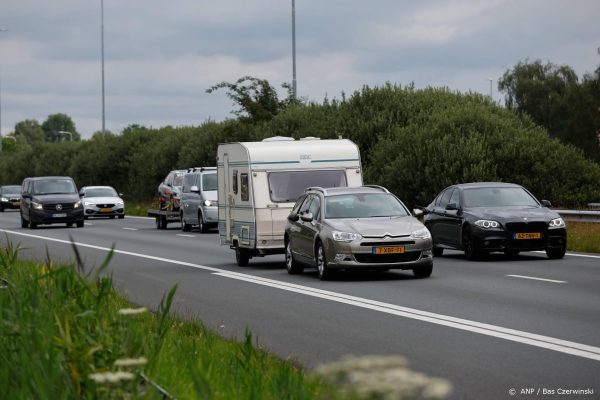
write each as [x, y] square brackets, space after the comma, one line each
[292, 266]
[472, 251]
[556, 253]
[437, 251]
[79, 224]
[24, 223]
[423, 272]
[201, 224]
[323, 271]
[184, 225]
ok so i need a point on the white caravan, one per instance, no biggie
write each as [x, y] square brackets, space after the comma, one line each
[259, 182]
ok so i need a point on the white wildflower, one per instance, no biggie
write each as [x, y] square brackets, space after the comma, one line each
[130, 362]
[111, 377]
[132, 311]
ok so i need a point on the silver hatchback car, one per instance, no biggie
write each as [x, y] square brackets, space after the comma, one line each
[355, 228]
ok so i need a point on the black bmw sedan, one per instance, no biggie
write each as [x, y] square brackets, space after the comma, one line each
[480, 218]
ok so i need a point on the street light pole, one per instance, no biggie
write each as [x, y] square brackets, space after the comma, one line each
[294, 89]
[102, 51]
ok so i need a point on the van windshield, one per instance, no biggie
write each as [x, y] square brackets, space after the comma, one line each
[287, 186]
[54, 186]
[209, 182]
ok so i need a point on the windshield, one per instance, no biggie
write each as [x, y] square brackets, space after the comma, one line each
[10, 190]
[287, 186]
[54, 186]
[101, 192]
[363, 205]
[209, 182]
[498, 197]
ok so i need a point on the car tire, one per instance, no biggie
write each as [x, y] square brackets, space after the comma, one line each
[241, 256]
[24, 223]
[292, 266]
[201, 224]
[32, 225]
[69, 224]
[86, 217]
[122, 216]
[511, 253]
[472, 252]
[556, 253]
[1, 208]
[323, 271]
[437, 251]
[79, 224]
[161, 222]
[423, 272]
[112, 217]
[185, 226]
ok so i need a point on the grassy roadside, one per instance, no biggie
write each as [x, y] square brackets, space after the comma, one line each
[65, 336]
[138, 209]
[583, 236]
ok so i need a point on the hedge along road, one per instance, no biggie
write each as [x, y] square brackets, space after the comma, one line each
[486, 326]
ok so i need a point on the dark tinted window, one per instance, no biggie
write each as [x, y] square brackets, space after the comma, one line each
[54, 186]
[244, 187]
[455, 198]
[209, 182]
[101, 192]
[498, 197]
[446, 197]
[364, 205]
[189, 180]
[286, 186]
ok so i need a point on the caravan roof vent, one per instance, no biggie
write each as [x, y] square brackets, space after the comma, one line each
[278, 139]
[311, 138]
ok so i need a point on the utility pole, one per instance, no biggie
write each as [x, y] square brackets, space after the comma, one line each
[102, 51]
[294, 88]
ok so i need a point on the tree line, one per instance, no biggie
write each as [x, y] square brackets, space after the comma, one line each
[414, 142]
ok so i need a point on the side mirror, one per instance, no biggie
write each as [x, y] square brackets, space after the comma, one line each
[194, 189]
[308, 217]
[293, 217]
[417, 212]
[451, 207]
[546, 203]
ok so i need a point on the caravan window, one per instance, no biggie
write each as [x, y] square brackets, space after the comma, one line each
[234, 180]
[244, 187]
[287, 186]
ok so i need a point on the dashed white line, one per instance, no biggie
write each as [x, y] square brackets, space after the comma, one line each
[184, 235]
[532, 339]
[536, 279]
[130, 229]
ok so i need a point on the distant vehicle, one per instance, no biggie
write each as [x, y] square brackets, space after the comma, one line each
[10, 197]
[479, 218]
[169, 190]
[259, 182]
[50, 200]
[102, 201]
[355, 228]
[199, 204]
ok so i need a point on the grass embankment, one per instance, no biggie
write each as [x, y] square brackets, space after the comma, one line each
[138, 208]
[65, 333]
[583, 236]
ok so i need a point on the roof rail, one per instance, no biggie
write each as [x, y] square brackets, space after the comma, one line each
[377, 187]
[200, 169]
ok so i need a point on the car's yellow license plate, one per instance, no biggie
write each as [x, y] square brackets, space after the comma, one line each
[388, 250]
[528, 235]
[107, 210]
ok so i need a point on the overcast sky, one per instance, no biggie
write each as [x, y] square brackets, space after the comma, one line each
[161, 56]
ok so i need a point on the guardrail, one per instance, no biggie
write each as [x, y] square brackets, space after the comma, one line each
[580, 215]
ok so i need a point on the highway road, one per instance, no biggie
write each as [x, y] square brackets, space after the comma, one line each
[488, 327]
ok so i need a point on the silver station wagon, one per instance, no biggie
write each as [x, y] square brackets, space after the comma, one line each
[355, 228]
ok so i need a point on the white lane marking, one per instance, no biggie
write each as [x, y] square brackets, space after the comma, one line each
[536, 279]
[184, 235]
[532, 339]
[130, 229]
[570, 254]
[88, 224]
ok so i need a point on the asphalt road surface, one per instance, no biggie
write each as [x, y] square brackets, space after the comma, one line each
[488, 327]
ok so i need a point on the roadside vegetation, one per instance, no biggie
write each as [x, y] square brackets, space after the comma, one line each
[583, 236]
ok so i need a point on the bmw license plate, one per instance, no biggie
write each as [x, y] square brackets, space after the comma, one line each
[527, 235]
[106, 210]
[63, 215]
[388, 250]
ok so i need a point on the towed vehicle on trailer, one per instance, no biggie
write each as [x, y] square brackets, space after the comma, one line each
[10, 197]
[259, 182]
[480, 218]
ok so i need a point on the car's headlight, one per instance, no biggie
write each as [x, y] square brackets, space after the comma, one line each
[37, 206]
[485, 224]
[77, 205]
[208, 203]
[346, 236]
[421, 234]
[556, 223]
[88, 203]
[3, 199]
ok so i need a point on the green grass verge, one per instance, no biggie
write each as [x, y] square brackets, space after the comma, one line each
[60, 325]
[138, 209]
[583, 236]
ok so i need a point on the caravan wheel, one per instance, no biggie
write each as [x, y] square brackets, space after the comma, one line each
[241, 256]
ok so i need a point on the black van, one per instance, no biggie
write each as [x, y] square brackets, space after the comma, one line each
[50, 200]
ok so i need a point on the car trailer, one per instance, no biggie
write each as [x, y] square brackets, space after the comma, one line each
[163, 217]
